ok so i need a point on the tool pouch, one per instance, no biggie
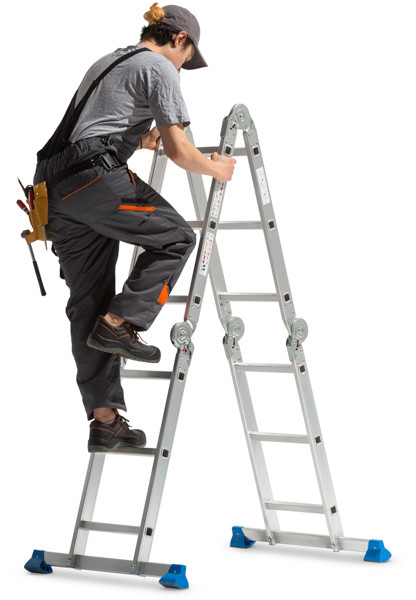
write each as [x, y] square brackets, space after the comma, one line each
[39, 215]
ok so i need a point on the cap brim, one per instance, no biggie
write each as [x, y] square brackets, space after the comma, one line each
[196, 62]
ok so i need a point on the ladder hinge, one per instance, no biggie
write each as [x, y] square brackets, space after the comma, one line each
[235, 331]
[180, 336]
[298, 334]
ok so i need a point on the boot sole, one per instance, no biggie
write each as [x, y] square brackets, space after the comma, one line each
[121, 351]
[116, 448]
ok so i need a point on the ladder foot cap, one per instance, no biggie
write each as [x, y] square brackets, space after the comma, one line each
[239, 540]
[377, 552]
[175, 578]
[37, 563]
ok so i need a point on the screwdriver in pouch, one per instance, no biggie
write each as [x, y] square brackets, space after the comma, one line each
[35, 264]
[22, 205]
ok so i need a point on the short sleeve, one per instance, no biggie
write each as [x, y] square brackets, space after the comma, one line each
[164, 95]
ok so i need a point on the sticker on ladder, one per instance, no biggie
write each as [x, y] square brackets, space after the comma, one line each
[206, 253]
[264, 188]
[217, 201]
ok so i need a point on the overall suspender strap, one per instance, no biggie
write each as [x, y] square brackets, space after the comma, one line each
[60, 137]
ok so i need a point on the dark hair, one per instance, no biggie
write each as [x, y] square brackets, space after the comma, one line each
[160, 34]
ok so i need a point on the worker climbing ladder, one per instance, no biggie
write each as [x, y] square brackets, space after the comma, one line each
[208, 263]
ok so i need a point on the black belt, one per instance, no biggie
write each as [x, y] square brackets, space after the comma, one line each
[107, 160]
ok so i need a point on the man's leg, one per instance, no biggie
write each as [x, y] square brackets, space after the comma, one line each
[146, 220]
[88, 262]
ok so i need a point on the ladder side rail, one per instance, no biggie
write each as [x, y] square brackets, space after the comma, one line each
[288, 313]
[216, 274]
[239, 379]
[317, 446]
[255, 448]
[183, 357]
[162, 459]
[270, 230]
[87, 506]
[212, 211]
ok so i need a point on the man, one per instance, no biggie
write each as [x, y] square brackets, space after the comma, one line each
[95, 202]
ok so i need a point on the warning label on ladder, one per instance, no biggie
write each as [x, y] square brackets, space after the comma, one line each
[217, 200]
[264, 188]
[206, 253]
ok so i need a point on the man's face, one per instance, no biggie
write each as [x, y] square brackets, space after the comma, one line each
[188, 53]
[182, 54]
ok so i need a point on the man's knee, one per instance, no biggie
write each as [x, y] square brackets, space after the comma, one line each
[190, 239]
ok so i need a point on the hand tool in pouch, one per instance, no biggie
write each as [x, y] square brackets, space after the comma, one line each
[24, 235]
[37, 200]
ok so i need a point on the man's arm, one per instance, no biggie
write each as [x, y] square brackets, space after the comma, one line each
[180, 150]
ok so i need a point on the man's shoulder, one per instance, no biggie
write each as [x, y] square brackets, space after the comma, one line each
[148, 65]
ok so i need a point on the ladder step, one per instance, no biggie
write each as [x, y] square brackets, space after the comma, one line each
[248, 297]
[208, 150]
[291, 438]
[135, 373]
[212, 149]
[237, 225]
[263, 367]
[109, 527]
[295, 506]
[178, 299]
[139, 451]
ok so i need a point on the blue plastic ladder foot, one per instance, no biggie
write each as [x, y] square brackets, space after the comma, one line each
[377, 552]
[37, 563]
[239, 540]
[175, 578]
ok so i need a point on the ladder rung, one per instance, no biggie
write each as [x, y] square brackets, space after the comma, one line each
[109, 527]
[178, 299]
[295, 506]
[212, 149]
[292, 438]
[263, 367]
[140, 451]
[230, 225]
[248, 297]
[240, 225]
[135, 373]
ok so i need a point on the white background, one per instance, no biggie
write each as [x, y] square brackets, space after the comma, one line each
[331, 87]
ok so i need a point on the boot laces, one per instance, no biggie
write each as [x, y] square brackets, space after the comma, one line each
[122, 420]
[132, 330]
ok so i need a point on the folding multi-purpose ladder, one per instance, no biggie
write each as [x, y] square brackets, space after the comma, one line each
[208, 263]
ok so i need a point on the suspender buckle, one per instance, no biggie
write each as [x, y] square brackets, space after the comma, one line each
[109, 161]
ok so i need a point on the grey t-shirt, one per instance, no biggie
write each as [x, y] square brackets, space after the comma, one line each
[142, 88]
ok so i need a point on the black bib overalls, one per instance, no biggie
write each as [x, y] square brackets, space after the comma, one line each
[90, 212]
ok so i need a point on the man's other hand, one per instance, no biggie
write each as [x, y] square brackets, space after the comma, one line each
[224, 165]
[150, 139]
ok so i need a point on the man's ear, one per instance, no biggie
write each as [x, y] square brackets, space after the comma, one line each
[180, 38]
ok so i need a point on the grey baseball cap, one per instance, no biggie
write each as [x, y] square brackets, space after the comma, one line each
[181, 19]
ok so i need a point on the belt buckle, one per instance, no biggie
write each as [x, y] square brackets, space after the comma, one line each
[109, 162]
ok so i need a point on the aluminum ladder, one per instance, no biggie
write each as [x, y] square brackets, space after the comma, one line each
[208, 263]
